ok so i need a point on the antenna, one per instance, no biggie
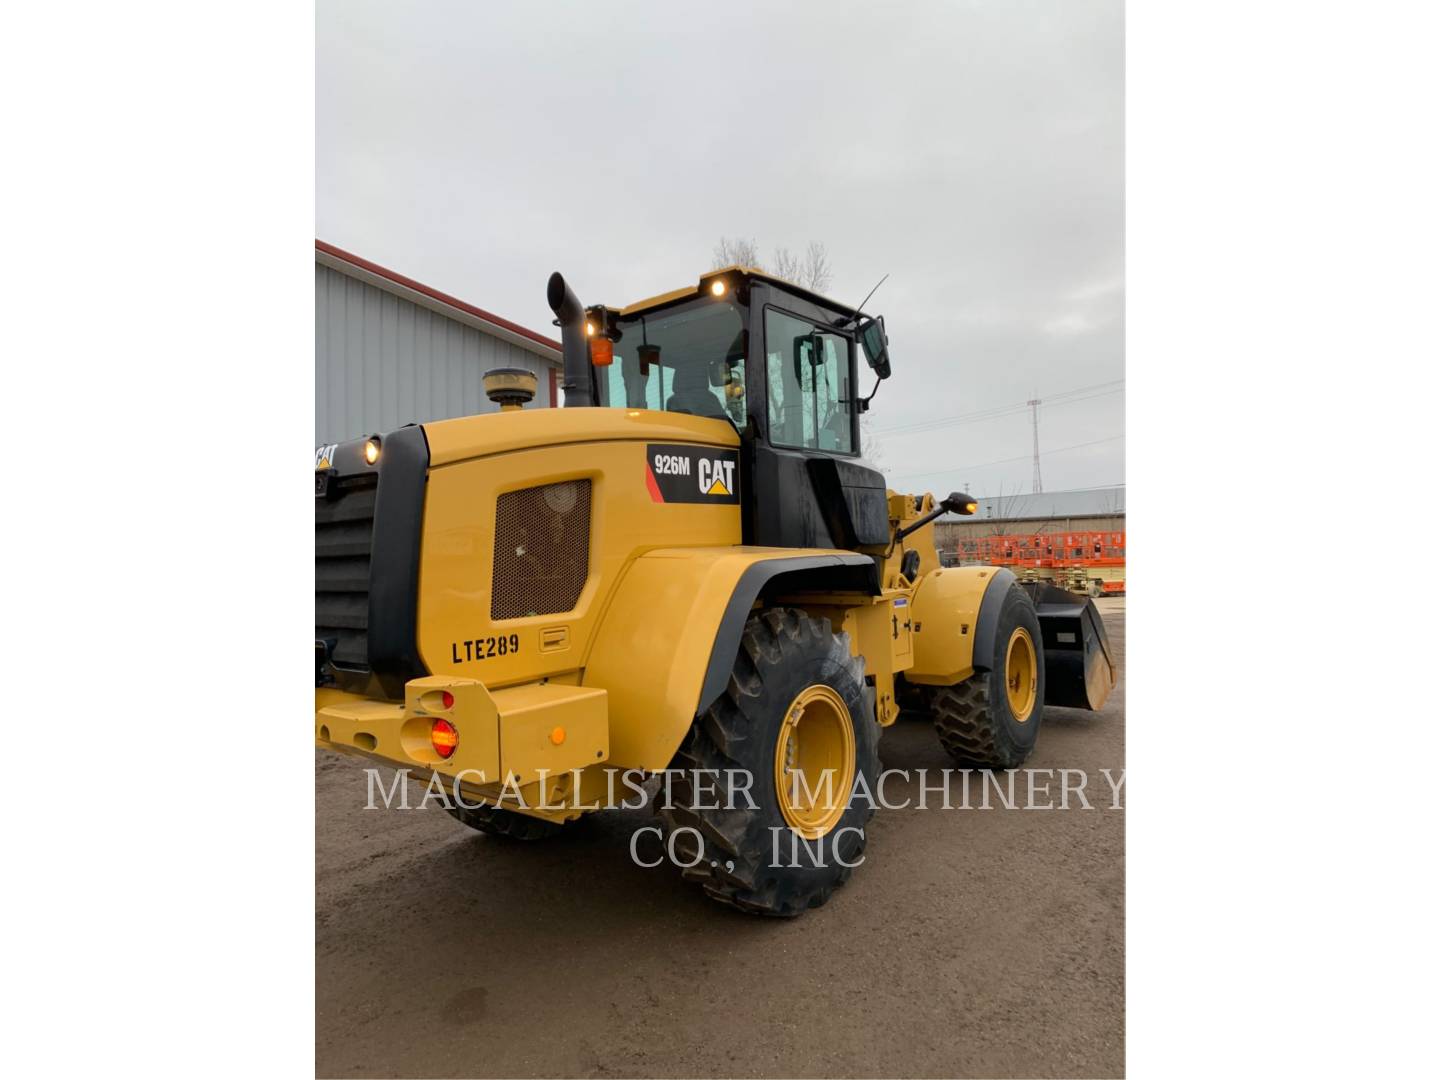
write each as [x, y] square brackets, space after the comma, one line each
[862, 303]
[1034, 404]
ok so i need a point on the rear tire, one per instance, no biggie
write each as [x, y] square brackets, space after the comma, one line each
[791, 672]
[507, 824]
[977, 719]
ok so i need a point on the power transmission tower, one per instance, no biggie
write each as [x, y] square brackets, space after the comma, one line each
[1034, 404]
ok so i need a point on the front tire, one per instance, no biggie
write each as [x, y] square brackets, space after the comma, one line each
[796, 706]
[992, 719]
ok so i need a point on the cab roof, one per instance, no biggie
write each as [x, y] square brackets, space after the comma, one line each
[676, 295]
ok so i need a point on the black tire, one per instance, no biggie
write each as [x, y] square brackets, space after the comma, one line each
[495, 821]
[783, 651]
[976, 724]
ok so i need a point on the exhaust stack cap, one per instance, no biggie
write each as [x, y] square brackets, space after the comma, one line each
[510, 388]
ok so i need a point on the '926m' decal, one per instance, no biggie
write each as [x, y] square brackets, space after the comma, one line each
[692, 474]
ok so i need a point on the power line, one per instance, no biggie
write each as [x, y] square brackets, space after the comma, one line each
[1067, 397]
[1059, 491]
[1007, 461]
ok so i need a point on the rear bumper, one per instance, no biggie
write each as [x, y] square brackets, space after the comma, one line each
[514, 735]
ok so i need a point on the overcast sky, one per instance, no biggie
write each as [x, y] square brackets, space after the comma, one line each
[973, 151]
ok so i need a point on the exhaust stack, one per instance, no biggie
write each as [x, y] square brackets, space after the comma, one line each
[579, 389]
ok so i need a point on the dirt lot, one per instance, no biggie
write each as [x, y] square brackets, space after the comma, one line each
[971, 943]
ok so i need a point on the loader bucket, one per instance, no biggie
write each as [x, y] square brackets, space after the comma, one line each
[1079, 666]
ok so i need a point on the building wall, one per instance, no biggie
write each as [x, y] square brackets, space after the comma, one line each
[948, 534]
[382, 361]
[954, 530]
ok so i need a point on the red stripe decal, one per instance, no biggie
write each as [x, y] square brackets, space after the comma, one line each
[650, 483]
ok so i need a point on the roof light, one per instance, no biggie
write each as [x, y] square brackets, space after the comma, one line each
[372, 449]
[589, 328]
[718, 288]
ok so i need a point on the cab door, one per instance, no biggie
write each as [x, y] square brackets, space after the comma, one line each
[808, 484]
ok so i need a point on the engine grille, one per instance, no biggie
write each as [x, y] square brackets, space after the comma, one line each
[343, 527]
[542, 549]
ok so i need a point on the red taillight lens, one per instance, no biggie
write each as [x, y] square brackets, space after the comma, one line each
[447, 699]
[444, 738]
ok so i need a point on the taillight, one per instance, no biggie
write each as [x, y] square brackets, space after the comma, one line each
[443, 737]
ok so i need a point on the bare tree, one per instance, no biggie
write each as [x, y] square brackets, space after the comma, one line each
[816, 274]
[786, 264]
[1112, 503]
[811, 270]
[870, 448]
[737, 252]
[1007, 509]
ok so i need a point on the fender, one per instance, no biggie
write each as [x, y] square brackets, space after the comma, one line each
[665, 646]
[956, 611]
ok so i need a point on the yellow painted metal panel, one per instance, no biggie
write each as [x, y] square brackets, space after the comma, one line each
[499, 433]
[943, 613]
[400, 734]
[652, 650]
[551, 728]
[458, 554]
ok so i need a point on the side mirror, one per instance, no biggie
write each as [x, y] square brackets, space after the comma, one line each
[876, 346]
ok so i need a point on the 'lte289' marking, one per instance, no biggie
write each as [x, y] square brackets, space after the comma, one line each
[485, 648]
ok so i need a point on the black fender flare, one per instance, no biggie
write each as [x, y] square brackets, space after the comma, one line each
[987, 625]
[845, 571]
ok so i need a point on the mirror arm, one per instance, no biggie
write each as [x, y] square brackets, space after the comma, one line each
[954, 503]
[864, 402]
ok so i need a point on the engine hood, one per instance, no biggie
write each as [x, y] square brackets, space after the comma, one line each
[498, 433]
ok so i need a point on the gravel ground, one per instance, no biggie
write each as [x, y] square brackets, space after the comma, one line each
[970, 943]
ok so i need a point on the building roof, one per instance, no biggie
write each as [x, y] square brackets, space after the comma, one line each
[435, 300]
[1049, 505]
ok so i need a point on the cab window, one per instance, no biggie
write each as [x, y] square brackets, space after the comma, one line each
[807, 372]
[687, 359]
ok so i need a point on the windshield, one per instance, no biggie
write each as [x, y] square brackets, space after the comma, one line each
[688, 359]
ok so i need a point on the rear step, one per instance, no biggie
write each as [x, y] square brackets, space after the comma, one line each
[1079, 666]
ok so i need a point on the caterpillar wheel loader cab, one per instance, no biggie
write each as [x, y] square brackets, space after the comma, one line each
[688, 570]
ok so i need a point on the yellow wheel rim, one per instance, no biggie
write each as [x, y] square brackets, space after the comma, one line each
[815, 761]
[1020, 674]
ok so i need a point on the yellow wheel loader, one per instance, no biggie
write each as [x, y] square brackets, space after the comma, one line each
[687, 572]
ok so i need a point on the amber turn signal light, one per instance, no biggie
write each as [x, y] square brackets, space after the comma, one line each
[444, 738]
[602, 351]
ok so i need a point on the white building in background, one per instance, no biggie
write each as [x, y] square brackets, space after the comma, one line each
[390, 351]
